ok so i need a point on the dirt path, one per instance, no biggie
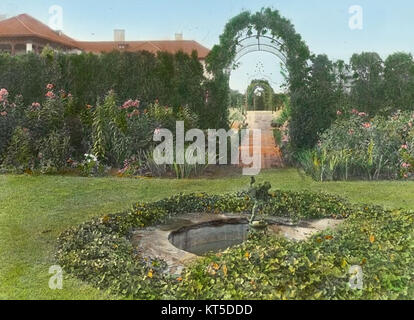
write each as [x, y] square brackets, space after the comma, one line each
[270, 153]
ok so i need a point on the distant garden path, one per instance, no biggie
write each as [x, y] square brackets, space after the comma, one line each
[271, 154]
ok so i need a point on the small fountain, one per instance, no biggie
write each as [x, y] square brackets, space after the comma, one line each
[259, 194]
[186, 238]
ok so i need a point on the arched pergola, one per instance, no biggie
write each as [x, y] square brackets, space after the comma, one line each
[265, 31]
[267, 92]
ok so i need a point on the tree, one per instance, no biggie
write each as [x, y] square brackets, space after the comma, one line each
[318, 101]
[367, 92]
[237, 100]
[399, 81]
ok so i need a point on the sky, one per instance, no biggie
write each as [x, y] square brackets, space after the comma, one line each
[387, 26]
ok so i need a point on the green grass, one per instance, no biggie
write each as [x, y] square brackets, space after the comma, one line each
[34, 210]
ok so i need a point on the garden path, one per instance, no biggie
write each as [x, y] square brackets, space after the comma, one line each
[270, 152]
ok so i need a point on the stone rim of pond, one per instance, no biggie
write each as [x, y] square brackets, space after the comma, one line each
[155, 242]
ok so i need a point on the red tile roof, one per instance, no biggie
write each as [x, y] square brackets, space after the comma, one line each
[187, 46]
[26, 26]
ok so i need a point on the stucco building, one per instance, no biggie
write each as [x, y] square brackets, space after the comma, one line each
[23, 33]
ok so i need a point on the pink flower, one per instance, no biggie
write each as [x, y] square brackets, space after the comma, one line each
[351, 132]
[406, 165]
[130, 104]
[339, 113]
[3, 94]
[35, 105]
[362, 114]
[50, 86]
[366, 125]
[50, 94]
[157, 131]
[404, 146]
[354, 111]
[4, 113]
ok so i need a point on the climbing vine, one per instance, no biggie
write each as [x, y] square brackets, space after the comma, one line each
[266, 97]
[265, 23]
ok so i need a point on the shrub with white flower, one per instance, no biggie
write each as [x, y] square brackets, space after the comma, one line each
[90, 157]
[91, 166]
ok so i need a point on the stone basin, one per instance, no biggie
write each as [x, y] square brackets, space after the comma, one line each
[216, 235]
[184, 239]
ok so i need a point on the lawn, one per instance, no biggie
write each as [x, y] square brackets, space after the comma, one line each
[34, 210]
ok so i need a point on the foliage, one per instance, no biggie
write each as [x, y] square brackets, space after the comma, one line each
[10, 118]
[314, 106]
[285, 114]
[41, 138]
[108, 125]
[174, 79]
[367, 92]
[367, 83]
[236, 100]
[267, 268]
[360, 147]
[54, 151]
[378, 241]
[399, 81]
[20, 153]
[265, 22]
[53, 137]
[266, 96]
[91, 166]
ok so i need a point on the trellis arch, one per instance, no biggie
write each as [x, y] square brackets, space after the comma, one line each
[270, 32]
[267, 91]
[257, 43]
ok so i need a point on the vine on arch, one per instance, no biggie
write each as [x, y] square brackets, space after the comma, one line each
[268, 94]
[265, 23]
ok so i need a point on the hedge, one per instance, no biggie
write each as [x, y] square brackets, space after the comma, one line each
[175, 80]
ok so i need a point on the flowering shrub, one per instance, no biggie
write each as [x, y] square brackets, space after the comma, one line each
[91, 166]
[360, 147]
[38, 135]
[59, 136]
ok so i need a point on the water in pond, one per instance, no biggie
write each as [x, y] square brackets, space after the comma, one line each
[212, 236]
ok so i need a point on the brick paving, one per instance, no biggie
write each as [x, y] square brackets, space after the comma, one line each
[271, 155]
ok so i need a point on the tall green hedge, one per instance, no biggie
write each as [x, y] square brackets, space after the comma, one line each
[173, 79]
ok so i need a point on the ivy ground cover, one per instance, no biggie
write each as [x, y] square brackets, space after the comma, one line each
[47, 206]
